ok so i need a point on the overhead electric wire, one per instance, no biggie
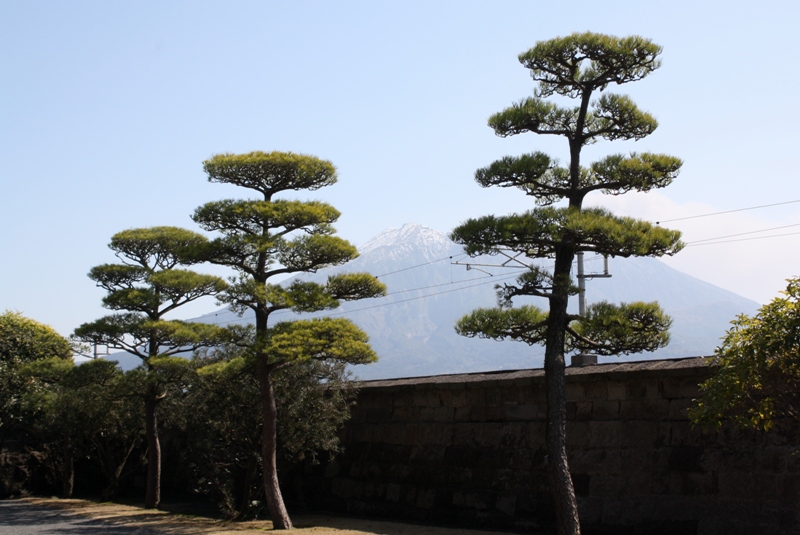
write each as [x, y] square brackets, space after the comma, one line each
[418, 265]
[726, 212]
[743, 239]
[744, 234]
[489, 277]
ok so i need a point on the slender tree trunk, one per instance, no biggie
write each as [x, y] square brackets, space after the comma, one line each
[114, 473]
[68, 481]
[555, 374]
[269, 431]
[247, 483]
[153, 493]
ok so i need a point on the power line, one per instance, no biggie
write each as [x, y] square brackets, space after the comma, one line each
[491, 280]
[726, 211]
[418, 265]
[694, 244]
[746, 233]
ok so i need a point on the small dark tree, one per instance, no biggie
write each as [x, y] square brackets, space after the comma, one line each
[270, 237]
[574, 67]
[84, 412]
[757, 378]
[23, 341]
[148, 285]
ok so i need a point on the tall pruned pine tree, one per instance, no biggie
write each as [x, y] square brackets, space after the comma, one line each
[146, 285]
[578, 67]
[268, 237]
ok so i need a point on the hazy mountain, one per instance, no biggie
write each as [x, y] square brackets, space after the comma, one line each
[430, 286]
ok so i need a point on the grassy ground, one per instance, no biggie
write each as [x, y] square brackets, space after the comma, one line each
[179, 524]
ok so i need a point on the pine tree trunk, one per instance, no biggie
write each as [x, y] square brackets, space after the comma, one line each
[153, 493]
[68, 481]
[269, 431]
[555, 375]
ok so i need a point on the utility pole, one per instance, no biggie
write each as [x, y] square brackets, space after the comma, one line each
[584, 359]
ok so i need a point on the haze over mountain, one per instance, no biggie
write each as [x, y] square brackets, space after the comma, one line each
[431, 283]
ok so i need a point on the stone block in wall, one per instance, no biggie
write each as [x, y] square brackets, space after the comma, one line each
[580, 410]
[788, 489]
[454, 397]
[679, 408]
[420, 398]
[436, 414]
[514, 435]
[476, 397]
[595, 390]
[535, 434]
[605, 410]
[616, 390]
[486, 413]
[575, 391]
[577, 434]
[427, 453]
[405, 413]
[607, 433]
[640, 434]
[681, 387]
[643, 389]
[607, 485]
[587, 461]
[643, 409]
[773, 458]
[516, 412]
[686, 459]
[462, 413]
[402, 397]
[682, 433]
[493, 396]
[533, 392]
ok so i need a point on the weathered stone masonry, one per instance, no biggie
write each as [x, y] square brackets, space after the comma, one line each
[469, 450]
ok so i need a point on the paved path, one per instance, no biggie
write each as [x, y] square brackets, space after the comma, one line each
[18, 517]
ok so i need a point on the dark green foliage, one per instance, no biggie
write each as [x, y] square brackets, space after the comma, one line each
[23, 341]
[223, 425]
[579, 62]
[757, 379]
[84, 414]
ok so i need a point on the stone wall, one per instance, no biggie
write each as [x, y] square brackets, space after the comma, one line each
[469, 450]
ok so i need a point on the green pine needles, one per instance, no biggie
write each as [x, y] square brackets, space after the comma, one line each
[580, 67]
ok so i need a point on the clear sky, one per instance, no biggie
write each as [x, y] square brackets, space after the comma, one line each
[107, 110]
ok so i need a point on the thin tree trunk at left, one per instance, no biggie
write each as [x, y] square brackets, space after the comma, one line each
[68, 481]
[153, 493]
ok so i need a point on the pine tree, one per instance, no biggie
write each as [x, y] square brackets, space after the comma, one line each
[574, 67]
[269, 237]
[147, 285]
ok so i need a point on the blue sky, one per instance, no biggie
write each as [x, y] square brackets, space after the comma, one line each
[107, 110]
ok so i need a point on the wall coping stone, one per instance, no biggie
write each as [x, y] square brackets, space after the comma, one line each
[597, 372]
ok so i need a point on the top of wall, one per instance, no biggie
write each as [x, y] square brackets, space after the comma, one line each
[596, 372]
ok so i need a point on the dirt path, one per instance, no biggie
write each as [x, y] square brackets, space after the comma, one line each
[173, 524]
